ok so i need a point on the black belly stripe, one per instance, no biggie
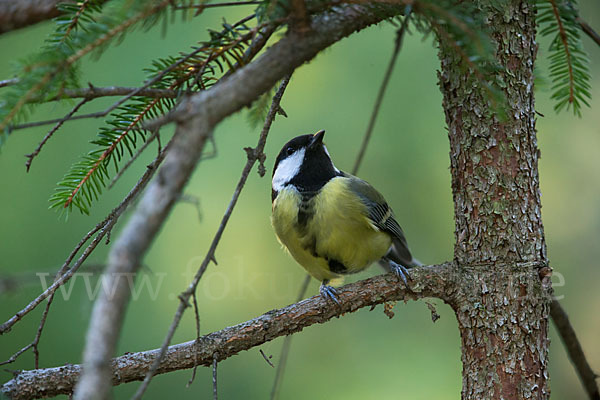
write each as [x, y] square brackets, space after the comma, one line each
[337, 267]
[305, 209]
[303, 217]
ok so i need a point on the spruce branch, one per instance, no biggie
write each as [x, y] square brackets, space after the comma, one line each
[120, 140]
[85, 181]
[569, 70]
[55, 67]
[82, 10]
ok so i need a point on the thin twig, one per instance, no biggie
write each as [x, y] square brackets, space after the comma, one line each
[132, 159]
[94, 92]
[574, 350]
[14, 357]
[384, 85]
[585, 27]
[214, 376]
[38, 334]
[37, 150]
[262, 353]
[194, 201]
[197, 318]
[103, 228]
[285, 349]
[212, 5]
[253, 156]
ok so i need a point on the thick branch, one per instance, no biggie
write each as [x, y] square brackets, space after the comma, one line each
[430, 281]
[196, 119]
[19, 14]
[22, 13]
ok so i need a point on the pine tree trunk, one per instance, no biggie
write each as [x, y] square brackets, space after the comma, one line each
[502, 303]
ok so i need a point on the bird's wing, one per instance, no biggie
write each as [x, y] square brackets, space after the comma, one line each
[381, 215]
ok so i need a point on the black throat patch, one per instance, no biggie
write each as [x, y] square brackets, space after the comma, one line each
[316, 170]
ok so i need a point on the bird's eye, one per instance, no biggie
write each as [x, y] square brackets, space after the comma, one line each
[289, 151]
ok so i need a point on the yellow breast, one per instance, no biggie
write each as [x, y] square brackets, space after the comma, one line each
[337, 229]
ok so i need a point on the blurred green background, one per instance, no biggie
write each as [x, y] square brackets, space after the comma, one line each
[362, 355]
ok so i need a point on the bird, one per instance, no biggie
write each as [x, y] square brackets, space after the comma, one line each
[332, 223]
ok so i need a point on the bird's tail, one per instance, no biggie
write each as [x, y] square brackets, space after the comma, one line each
[399, 253]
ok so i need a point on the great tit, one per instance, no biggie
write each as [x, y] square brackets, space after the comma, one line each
[331, 222]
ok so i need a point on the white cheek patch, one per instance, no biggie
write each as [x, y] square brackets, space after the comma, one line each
[326, 152]
[287, 170]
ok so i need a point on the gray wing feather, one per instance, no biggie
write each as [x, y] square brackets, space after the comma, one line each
[382, 217]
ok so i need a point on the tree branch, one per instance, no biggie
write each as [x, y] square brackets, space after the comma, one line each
[94, 92]
[429, 281]
[588, 30]
[22, 13]
[574, 350]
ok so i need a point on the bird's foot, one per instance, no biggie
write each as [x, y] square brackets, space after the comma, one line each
[328, 292]
[400, 271]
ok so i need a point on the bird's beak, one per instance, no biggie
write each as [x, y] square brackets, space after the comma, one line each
[317, 139]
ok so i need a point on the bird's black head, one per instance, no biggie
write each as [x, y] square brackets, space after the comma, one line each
[305, 163]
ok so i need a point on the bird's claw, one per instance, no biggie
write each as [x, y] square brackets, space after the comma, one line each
[400, 271]
[329, 293]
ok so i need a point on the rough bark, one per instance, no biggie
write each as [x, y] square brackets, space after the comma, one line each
[502, 304]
